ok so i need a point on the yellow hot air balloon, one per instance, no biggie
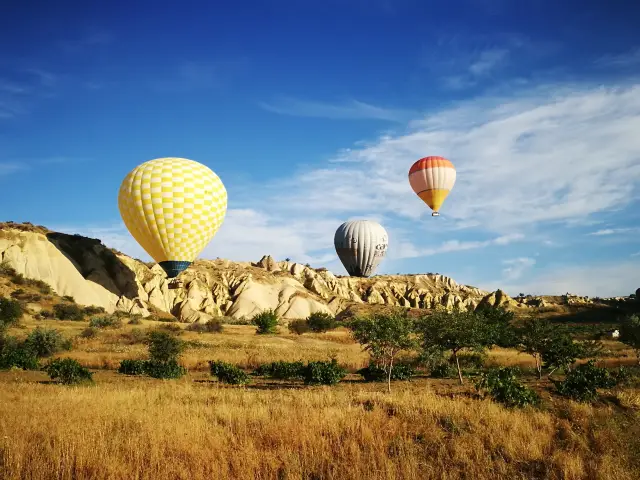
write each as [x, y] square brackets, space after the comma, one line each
[432, 178]
[173, 207]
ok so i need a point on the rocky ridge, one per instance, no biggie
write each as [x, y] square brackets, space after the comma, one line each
[96, 275]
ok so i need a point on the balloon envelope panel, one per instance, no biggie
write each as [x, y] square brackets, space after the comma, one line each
[361, 245]
[173, 207]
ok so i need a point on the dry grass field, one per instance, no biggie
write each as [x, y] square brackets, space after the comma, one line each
[124, 427]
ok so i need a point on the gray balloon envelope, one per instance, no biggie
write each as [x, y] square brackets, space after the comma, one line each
[361, 245]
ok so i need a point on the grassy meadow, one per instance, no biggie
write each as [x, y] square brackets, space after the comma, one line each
[137, 427]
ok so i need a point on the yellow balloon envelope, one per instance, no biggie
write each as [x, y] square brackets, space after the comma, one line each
[432, 178]
[173, 207]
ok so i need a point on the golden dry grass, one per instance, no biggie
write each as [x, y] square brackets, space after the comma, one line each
[139, 428]
[143, 428]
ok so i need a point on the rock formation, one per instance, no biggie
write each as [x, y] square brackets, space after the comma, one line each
[93, 274]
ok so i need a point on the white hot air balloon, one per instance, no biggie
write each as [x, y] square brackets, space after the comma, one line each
[361, 245]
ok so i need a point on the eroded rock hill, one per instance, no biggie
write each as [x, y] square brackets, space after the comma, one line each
[93, 274]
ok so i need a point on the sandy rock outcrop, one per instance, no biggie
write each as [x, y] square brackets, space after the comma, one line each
[96, 275]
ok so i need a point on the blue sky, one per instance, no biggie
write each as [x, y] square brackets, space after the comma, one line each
[312, 113]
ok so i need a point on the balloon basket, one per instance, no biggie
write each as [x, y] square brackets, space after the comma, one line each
[435, 214]
[174, 284]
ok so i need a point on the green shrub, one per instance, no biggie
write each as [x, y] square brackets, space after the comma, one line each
[376, 373]
[26, 296]
[106, 321]
[228, 373]
[67, 371]
[136, 320]
[503, 386]
[582, 383]
[14, 353]
[323, 373]
[163, 346]
[69, 298]
[6, 269]
[164, 369]
[18, 278]
[212, 326]
[45, 342]
[42, 286]
[298, 326]
[93, 310]
[444, 370]
[89, 332]
[321, 322]
[281, 370]
[266, 321]
[10, 312]
[68, 311]
[133, 367]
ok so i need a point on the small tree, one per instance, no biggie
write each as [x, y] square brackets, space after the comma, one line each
[534, 337]
[266, 321]
[561, 352]
[164, 346]
[384, 336]
[455, 331]
[10, 312]
[321, 322]
[630, 333]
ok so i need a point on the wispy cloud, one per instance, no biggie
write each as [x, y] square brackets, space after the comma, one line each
[598, 279]
[508, 176]
[21, 89]
[200, 75]
[622, 60]
[462, 61]
[408, 250]
[516, 267]
[612, 231]
[349, 110]
[487, 61]
[7, 168]
[91, 40]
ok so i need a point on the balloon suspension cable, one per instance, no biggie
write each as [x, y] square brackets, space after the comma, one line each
[435, 214]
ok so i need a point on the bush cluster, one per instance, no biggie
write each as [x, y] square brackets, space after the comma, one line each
[267, 322]
[503, 386]
[105, 321]
[67, 371]
[228, 373]
[164, 352]
[281, 370]
[211, 326]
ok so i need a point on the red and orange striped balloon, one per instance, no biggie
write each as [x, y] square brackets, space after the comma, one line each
[432, 178]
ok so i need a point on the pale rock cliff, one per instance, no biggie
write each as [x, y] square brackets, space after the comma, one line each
[96, 275]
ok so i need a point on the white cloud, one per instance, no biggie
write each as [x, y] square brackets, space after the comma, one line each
[408, 250]
[521, 163]
[352, 109]
[600, 279]
[516, 267]
[487, 61]
[612, 231]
